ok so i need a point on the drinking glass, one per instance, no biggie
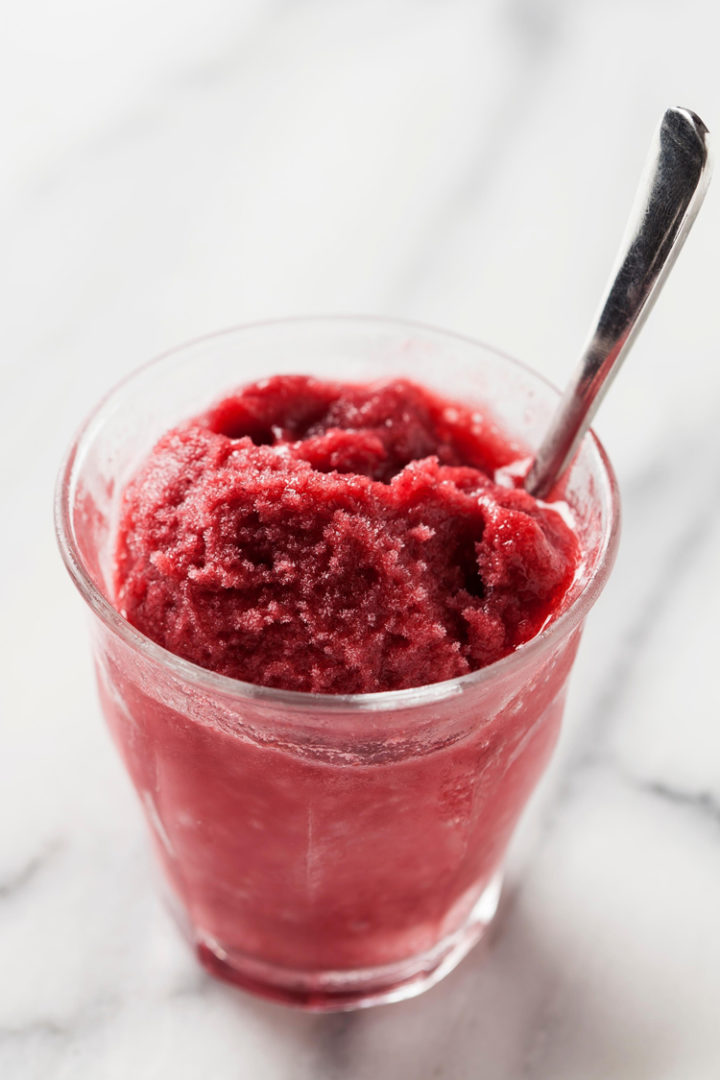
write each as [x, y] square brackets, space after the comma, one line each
[329, 851]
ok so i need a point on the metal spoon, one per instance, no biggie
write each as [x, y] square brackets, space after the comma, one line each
[668, 199]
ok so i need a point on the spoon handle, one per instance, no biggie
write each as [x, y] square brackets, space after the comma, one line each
[668, 199]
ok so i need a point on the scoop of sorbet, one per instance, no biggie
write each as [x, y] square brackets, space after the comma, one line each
[337, 538]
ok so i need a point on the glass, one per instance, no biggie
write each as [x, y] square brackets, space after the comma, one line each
[323, 850]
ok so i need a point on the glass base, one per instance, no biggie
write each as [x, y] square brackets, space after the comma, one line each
[338, 991]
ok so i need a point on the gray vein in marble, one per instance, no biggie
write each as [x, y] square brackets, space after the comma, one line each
[670, 576]
[14, 883]
[99, 1012]
[700, 803]
[535, 29]
[335, 1052]
[46, 1029]
[223, 66]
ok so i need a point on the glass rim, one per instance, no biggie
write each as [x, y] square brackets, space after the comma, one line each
[383, 700]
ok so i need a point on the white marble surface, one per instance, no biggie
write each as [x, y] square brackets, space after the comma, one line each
[171, 168]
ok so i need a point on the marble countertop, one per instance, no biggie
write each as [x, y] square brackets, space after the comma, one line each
[172, 168]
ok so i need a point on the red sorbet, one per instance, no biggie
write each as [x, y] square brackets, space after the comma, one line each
[337, 538]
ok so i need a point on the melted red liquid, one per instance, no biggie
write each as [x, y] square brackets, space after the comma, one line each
[337, 538]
